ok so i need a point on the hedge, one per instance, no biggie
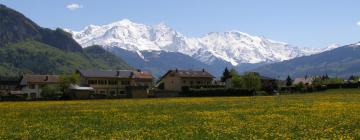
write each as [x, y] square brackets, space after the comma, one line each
[215, 92]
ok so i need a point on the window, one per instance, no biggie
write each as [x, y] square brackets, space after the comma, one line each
[198, 82]
[184, 81]
[102, 82]
[112, 82]
[122, 92]
[191, 82]
[92, 82]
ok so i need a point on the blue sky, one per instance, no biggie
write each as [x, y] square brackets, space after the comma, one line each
[305, 23]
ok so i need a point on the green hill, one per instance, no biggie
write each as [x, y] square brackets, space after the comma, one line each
[39, 58]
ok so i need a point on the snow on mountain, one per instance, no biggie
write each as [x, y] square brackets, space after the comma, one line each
[331, 47]
[234, 47]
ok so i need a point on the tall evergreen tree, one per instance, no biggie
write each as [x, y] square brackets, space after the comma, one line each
[288, 81]
[226, 75]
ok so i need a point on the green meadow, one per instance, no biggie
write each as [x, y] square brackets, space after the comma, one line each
[334, 114]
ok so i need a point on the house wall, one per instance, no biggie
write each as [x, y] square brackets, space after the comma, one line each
[173, 82]
[139, 93]
[141, 82]
[196, 81]
[33, 90]
[107, 86]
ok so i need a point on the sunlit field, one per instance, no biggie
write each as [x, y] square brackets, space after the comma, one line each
[332, 114]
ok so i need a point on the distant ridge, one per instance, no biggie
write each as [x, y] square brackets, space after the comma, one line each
[343, 62]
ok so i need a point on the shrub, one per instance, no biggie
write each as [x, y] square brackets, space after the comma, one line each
[216, 92]
[51, 92]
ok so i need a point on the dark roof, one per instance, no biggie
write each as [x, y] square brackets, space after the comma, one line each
[39, 79]
[192, 73]
[106, 73]
[189, 74]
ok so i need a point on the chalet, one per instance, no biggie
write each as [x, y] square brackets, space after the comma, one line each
[31, 85]
[305, 80]
[175, 80]
[117, 83]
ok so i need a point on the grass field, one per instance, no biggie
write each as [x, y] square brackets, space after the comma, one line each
[331, 114]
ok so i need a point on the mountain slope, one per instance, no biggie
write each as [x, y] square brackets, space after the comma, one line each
[39, 58]
[15, 27]
[102, 59]
[343, 61]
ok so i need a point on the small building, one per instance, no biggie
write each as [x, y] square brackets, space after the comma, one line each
[116, 83]
[175, 80]
[304, 80]
[77, 92]
[31, 85]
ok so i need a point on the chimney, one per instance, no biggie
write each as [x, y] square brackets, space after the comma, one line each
[46, 78]
[131, 74]
[203, 70]
[118, 73]
[176, 70]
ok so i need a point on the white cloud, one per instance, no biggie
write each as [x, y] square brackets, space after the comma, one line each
[73, 6]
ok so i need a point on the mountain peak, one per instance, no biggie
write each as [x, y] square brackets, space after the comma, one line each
[123, 21]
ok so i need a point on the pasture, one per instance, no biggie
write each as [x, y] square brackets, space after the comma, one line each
[333, 114]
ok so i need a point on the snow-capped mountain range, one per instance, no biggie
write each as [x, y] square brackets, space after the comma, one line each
[234, 47]
[158, 48]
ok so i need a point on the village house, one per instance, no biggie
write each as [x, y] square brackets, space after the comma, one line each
[31, 85]
[175, 80]
[117, 83]
[305, 80]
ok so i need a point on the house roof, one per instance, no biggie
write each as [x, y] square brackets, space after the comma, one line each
[142, 75]
[106, 73]
[39, 79]
[115, 74]
[192, 73]
[189, 74]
